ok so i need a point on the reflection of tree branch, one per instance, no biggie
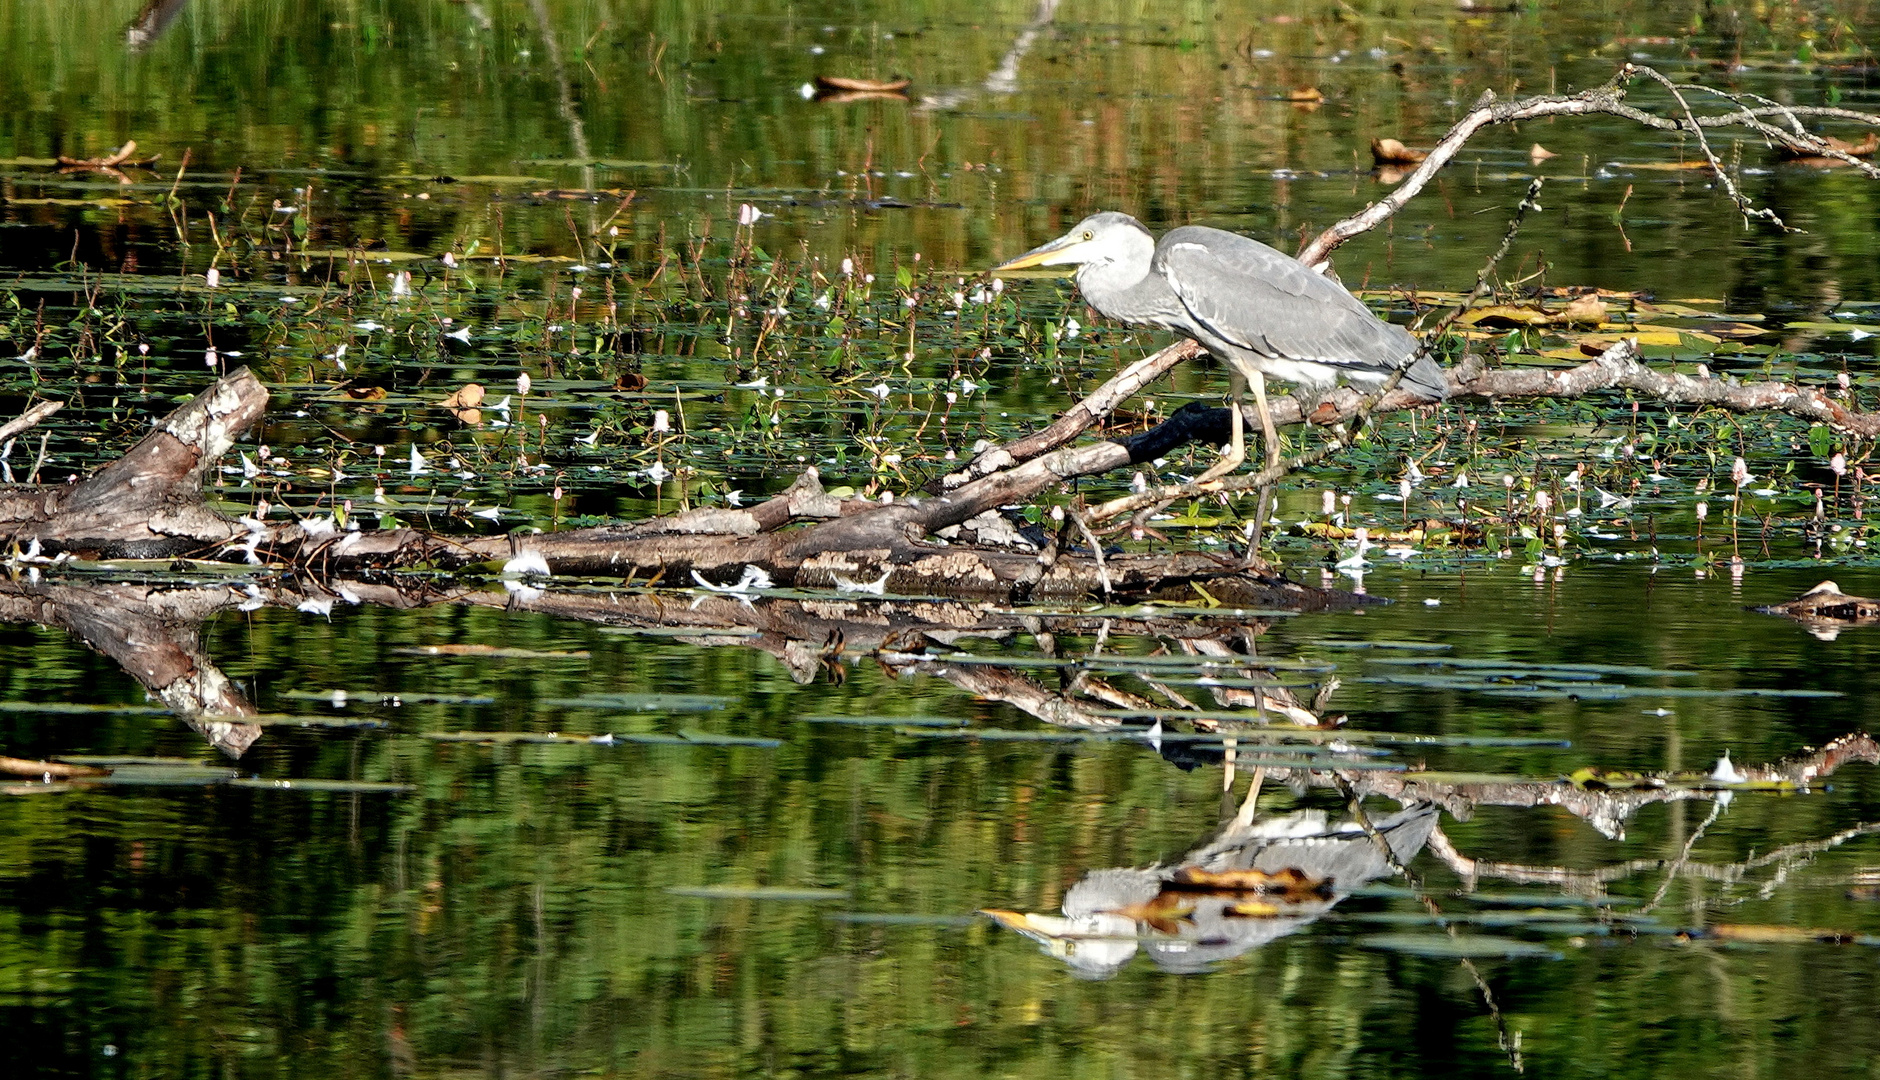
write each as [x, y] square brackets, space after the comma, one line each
[1594, 882]
[577, 130]
[1606, 809]
[155, 635]
[1004, 78]
[1510, 1045]
[150, 22]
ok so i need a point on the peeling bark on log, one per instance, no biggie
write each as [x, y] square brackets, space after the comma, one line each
[148, 503]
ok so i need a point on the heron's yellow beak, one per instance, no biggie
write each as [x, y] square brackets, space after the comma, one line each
[1048, 255]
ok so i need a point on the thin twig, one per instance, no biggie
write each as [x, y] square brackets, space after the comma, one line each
[1748, 209]
[1096, 549]
[29, 418]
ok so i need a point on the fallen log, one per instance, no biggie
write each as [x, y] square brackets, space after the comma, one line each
[150, 504]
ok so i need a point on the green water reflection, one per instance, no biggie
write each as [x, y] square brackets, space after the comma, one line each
[512, 912]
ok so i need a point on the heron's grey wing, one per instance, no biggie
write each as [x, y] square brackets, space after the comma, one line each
[1259, 299]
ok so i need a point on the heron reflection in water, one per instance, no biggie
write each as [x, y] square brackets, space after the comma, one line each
[1257, 309]
[1207, 907]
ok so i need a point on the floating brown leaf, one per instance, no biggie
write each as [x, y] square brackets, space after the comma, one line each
[469, 397]
[366, 393]
[122, 156]
[1304, 95]
[1861, 149]
[1777, 935]
[1289, 880]
[1392, 152]
[869, 86]
[1508, 315]
[1538, 153]
[631, 381]
[1584, 311]
[23, 767]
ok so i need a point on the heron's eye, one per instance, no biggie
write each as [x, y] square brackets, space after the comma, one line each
[1090, 236]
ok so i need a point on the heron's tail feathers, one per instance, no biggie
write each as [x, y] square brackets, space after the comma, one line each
[1426, 379]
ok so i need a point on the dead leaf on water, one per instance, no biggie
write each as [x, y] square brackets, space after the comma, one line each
[491, 651]
[1584, 311]
[1664, 166]
[1538, 153]
[1305, 95]
[1861, 149]
[1508, 315]
[59, 769]
[1290, 880]
[870, 86]
[1392, 152]
[1778, 935]
[469, 397]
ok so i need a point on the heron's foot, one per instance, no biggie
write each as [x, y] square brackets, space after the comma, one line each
[1231, 459]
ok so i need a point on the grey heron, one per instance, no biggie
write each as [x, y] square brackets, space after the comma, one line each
[1256, 308]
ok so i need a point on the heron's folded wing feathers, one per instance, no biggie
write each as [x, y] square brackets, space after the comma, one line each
[1257, 298]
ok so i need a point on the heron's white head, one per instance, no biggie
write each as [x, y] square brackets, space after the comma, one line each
[1098, 240]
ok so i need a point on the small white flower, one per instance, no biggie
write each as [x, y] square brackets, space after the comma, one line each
[418, 467]
[662, 422]
[753, 577]
[213, 278]
[522, 385]
[492, 514]
[880, 390]
[657, 472]
[877, 587]
[462, 335]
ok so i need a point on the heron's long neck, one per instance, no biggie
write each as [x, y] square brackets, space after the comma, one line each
[1124, 289]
